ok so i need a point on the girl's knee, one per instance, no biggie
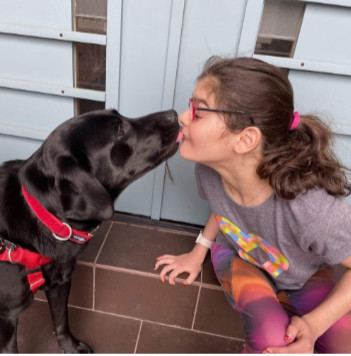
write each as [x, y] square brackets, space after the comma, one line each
[337, 339]
[265, 335]
[266, 329]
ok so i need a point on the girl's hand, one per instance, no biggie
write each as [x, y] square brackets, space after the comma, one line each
[189, 263]
[299, 336]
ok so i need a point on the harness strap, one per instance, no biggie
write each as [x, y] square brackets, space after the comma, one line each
[32, 261]
[35, 280]
[60, 230]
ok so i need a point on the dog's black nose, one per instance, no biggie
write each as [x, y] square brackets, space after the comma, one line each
[167, 118]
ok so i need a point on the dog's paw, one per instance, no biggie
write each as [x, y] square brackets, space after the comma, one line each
[83, 348]
[75, 346]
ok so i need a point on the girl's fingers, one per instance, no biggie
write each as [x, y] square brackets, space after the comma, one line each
[291, 333]
[191, 278]
[174, 274]
[166, 261]
[164, 271]
[164, 256]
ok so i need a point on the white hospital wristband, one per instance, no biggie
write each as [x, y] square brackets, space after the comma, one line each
[201, 239]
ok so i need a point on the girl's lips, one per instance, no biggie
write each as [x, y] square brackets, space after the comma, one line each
[180, 136]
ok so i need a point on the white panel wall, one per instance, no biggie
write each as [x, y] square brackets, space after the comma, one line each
[34, 61]
[38, 60]
[325, 34]
[38, 13]
[144, 43]
[323, 94]
[35, 114]
[16, 147]
[155, 51]
[325, 37]
[211, 29]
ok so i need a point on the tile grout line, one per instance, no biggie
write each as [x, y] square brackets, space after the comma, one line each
[191, 232]
[162, 324]
[197, 300]
[98, 311]
[94, 273]
[103, 243]
[158, 228]
[94, 264]
[138, 337]
[151, 275]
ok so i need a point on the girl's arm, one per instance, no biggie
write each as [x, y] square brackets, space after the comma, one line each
[190, 262]
[306, 330]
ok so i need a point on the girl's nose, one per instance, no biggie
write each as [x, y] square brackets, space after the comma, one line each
[184, 118]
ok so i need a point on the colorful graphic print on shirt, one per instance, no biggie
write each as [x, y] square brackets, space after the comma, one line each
[276, 263]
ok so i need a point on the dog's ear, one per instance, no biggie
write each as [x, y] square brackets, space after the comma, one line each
[83, 197]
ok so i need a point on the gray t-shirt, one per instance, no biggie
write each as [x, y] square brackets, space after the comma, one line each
[290, 240]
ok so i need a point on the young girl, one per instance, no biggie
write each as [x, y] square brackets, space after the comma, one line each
[279, 219]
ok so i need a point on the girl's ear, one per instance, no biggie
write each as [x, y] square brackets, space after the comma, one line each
[247, 140]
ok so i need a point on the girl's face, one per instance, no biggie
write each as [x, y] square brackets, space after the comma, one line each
[206, 138]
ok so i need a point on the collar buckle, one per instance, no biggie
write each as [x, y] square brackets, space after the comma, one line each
[8, 246]
[64, 238]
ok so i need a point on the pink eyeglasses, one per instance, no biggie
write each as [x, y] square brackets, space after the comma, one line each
[193, 108]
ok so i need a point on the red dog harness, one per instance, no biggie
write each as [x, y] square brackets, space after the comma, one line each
[33, 261]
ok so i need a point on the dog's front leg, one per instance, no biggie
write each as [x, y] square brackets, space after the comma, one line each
[8, 335]
[58, 299]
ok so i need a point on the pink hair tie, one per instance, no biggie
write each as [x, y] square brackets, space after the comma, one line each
[295, 121]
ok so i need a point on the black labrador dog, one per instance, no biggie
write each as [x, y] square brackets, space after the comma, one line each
[51, 203]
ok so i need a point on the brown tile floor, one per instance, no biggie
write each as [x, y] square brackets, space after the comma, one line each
[118, 304]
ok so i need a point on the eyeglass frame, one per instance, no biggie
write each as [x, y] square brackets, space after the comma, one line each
[194, 107]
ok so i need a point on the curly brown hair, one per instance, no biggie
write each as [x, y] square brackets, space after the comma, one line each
[293, 161]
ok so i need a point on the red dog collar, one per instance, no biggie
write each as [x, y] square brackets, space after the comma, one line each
[60, 230]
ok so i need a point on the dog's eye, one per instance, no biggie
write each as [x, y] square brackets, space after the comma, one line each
[121, 132]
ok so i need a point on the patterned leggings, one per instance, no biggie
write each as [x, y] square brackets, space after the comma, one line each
[265, 318]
